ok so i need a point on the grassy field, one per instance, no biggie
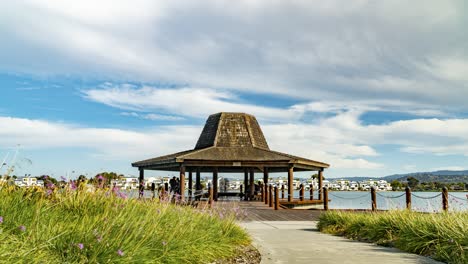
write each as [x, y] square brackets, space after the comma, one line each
[443, 236]
[102, 227]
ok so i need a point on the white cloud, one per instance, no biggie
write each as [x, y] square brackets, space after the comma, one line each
[449, 168]
[454, 69]
[129, 145]
[152, 116]
[341, 140]
[201, 102]
[316, 50]
[106, 143]
[192, 102]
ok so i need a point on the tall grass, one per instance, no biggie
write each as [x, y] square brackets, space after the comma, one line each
[100, 227]
[443, 236]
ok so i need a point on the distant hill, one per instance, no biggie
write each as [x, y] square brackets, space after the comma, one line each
[433, 176]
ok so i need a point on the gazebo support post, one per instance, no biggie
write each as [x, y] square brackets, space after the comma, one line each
[252, 184]
[215, 183]
[197, 185]
[311, 190]
[290, 183]
[141, 182]
[190, 185]
[265, 176]
[320, 182]
[262, 192]
[182, 183]
[246, 181]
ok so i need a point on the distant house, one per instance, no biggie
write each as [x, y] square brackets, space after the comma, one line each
[28, 182]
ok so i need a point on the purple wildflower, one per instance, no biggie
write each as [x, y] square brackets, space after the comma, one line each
[80, 246]
[49, 192]
[63, 178]
[1, 219]
[99, 177]
[22, 228]
[73, 185]
[120, 252]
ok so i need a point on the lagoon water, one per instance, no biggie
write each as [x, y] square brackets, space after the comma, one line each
[421, 201]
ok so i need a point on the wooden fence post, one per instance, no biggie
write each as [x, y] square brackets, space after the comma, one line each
[445, 204]
[311, 192]
[374, 199]
[302, 194]
[270, 190]
[267, 195]
[276, 198]
[282, 191]
[210, 196]
[325, 198]
[408, 197]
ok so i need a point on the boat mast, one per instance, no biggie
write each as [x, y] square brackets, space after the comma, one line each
[4, 160]
[12, 167]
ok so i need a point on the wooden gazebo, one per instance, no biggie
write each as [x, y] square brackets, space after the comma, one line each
[231, 142]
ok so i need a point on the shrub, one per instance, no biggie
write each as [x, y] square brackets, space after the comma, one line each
[440, 236]
[65, 226]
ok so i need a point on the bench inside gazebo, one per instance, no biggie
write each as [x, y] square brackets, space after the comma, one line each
[231, 143]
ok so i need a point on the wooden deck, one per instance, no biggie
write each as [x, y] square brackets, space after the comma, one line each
[259, 211]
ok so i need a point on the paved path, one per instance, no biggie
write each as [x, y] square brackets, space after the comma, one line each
[301, 242]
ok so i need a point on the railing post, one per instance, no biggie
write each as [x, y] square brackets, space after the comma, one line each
[282, 191]
[374, 199]
[270, 190]
[301, 196]
[445, 204]
[267, 194]
[210, 196]
[311, 192]
[408, 197]
[325, 198]
[276, 198]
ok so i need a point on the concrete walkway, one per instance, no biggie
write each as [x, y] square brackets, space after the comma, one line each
[301, 242]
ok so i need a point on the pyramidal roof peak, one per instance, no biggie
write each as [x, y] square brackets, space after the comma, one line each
[227, 129]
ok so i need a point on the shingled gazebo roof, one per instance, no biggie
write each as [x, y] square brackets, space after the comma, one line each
[230, 141]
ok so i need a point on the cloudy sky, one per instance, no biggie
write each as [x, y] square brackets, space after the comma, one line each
[371, 87]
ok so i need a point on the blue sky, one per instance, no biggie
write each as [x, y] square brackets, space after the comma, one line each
[373, 88]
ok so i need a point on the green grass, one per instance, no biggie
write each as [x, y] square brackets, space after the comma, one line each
[443, 236]
[110, 229]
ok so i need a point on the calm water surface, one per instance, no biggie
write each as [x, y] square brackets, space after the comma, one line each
[421, 201]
